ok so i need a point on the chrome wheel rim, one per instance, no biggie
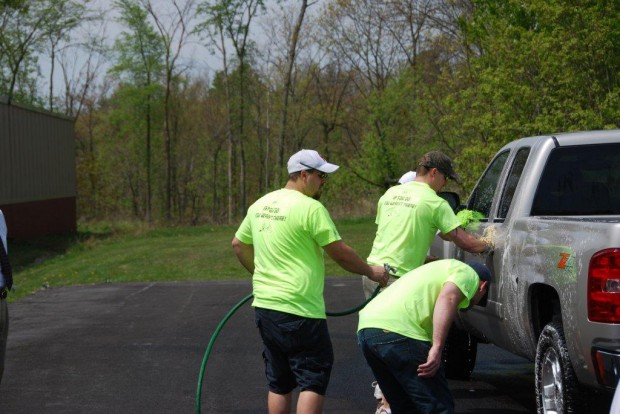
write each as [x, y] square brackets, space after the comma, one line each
[551, 383]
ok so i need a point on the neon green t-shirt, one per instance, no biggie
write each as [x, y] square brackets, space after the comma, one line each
[408, 217]
[288, 230]
[406, 307]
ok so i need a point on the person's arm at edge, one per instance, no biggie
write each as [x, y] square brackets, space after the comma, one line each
[465, 240]
[350, 261]
[443, 315]
[245, 254]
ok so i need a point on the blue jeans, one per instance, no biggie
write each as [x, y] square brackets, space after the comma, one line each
[394, 360]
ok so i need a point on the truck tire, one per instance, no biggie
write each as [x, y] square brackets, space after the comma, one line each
[459, 354]
[557, 389]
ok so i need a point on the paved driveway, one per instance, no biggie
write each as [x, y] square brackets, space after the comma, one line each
[137, 348]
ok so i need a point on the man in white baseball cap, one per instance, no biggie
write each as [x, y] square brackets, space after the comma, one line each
[281, 242]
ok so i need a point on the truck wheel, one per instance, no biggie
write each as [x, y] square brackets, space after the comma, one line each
[459, 354]
[557, 389]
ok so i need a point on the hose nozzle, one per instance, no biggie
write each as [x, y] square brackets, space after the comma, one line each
[389, 269]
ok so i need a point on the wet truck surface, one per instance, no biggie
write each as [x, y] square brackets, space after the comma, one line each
[552, 207]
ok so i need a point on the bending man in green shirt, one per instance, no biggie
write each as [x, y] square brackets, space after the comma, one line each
[281, 242]
[402, 332]
[408, 217]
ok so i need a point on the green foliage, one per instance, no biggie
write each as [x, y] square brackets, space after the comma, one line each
[533, 67]
[548, 66]
[20, 38]
[121, 149]
[126, 153]
[397, 135]
[228, 16]
[139, 52]
[27, 28]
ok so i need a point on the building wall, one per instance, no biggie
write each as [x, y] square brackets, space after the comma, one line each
[37, 172]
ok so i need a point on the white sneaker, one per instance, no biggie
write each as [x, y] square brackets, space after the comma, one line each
[378, 393]
[382, 410]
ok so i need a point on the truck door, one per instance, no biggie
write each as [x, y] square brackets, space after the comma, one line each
[494, 200]
[481, 200]
[510, 294]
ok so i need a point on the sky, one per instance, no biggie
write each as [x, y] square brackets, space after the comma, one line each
[194, 56]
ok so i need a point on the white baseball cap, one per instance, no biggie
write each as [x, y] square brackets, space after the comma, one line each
[309, 160]
[408, 176]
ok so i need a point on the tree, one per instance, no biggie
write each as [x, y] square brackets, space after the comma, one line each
[139, 55]
[174, 34]
[90, 172]
[63, 17]
[290, 63]
[358, 34]
[22, 27]
[26, 28]
[80, 64]
[230, 20]
[374, 42]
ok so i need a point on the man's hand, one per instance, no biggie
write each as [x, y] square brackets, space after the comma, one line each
[379, 275]
[488, 237]
[432, 364]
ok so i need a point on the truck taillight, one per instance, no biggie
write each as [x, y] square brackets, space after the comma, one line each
[604, 287]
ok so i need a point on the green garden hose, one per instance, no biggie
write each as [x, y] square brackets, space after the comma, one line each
[211, 342]
[357, 308]
[227, 317]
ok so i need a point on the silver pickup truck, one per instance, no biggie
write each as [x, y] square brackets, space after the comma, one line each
[553, 205]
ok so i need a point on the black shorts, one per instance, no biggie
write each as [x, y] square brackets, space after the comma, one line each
[298, 351]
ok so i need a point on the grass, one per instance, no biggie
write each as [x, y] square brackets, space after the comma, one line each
[126, 253]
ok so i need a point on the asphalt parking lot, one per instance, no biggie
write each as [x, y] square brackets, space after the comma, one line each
[137, 348]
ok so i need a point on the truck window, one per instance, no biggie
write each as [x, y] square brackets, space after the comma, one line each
[583, 181]
[482, 196]
[511, 183]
